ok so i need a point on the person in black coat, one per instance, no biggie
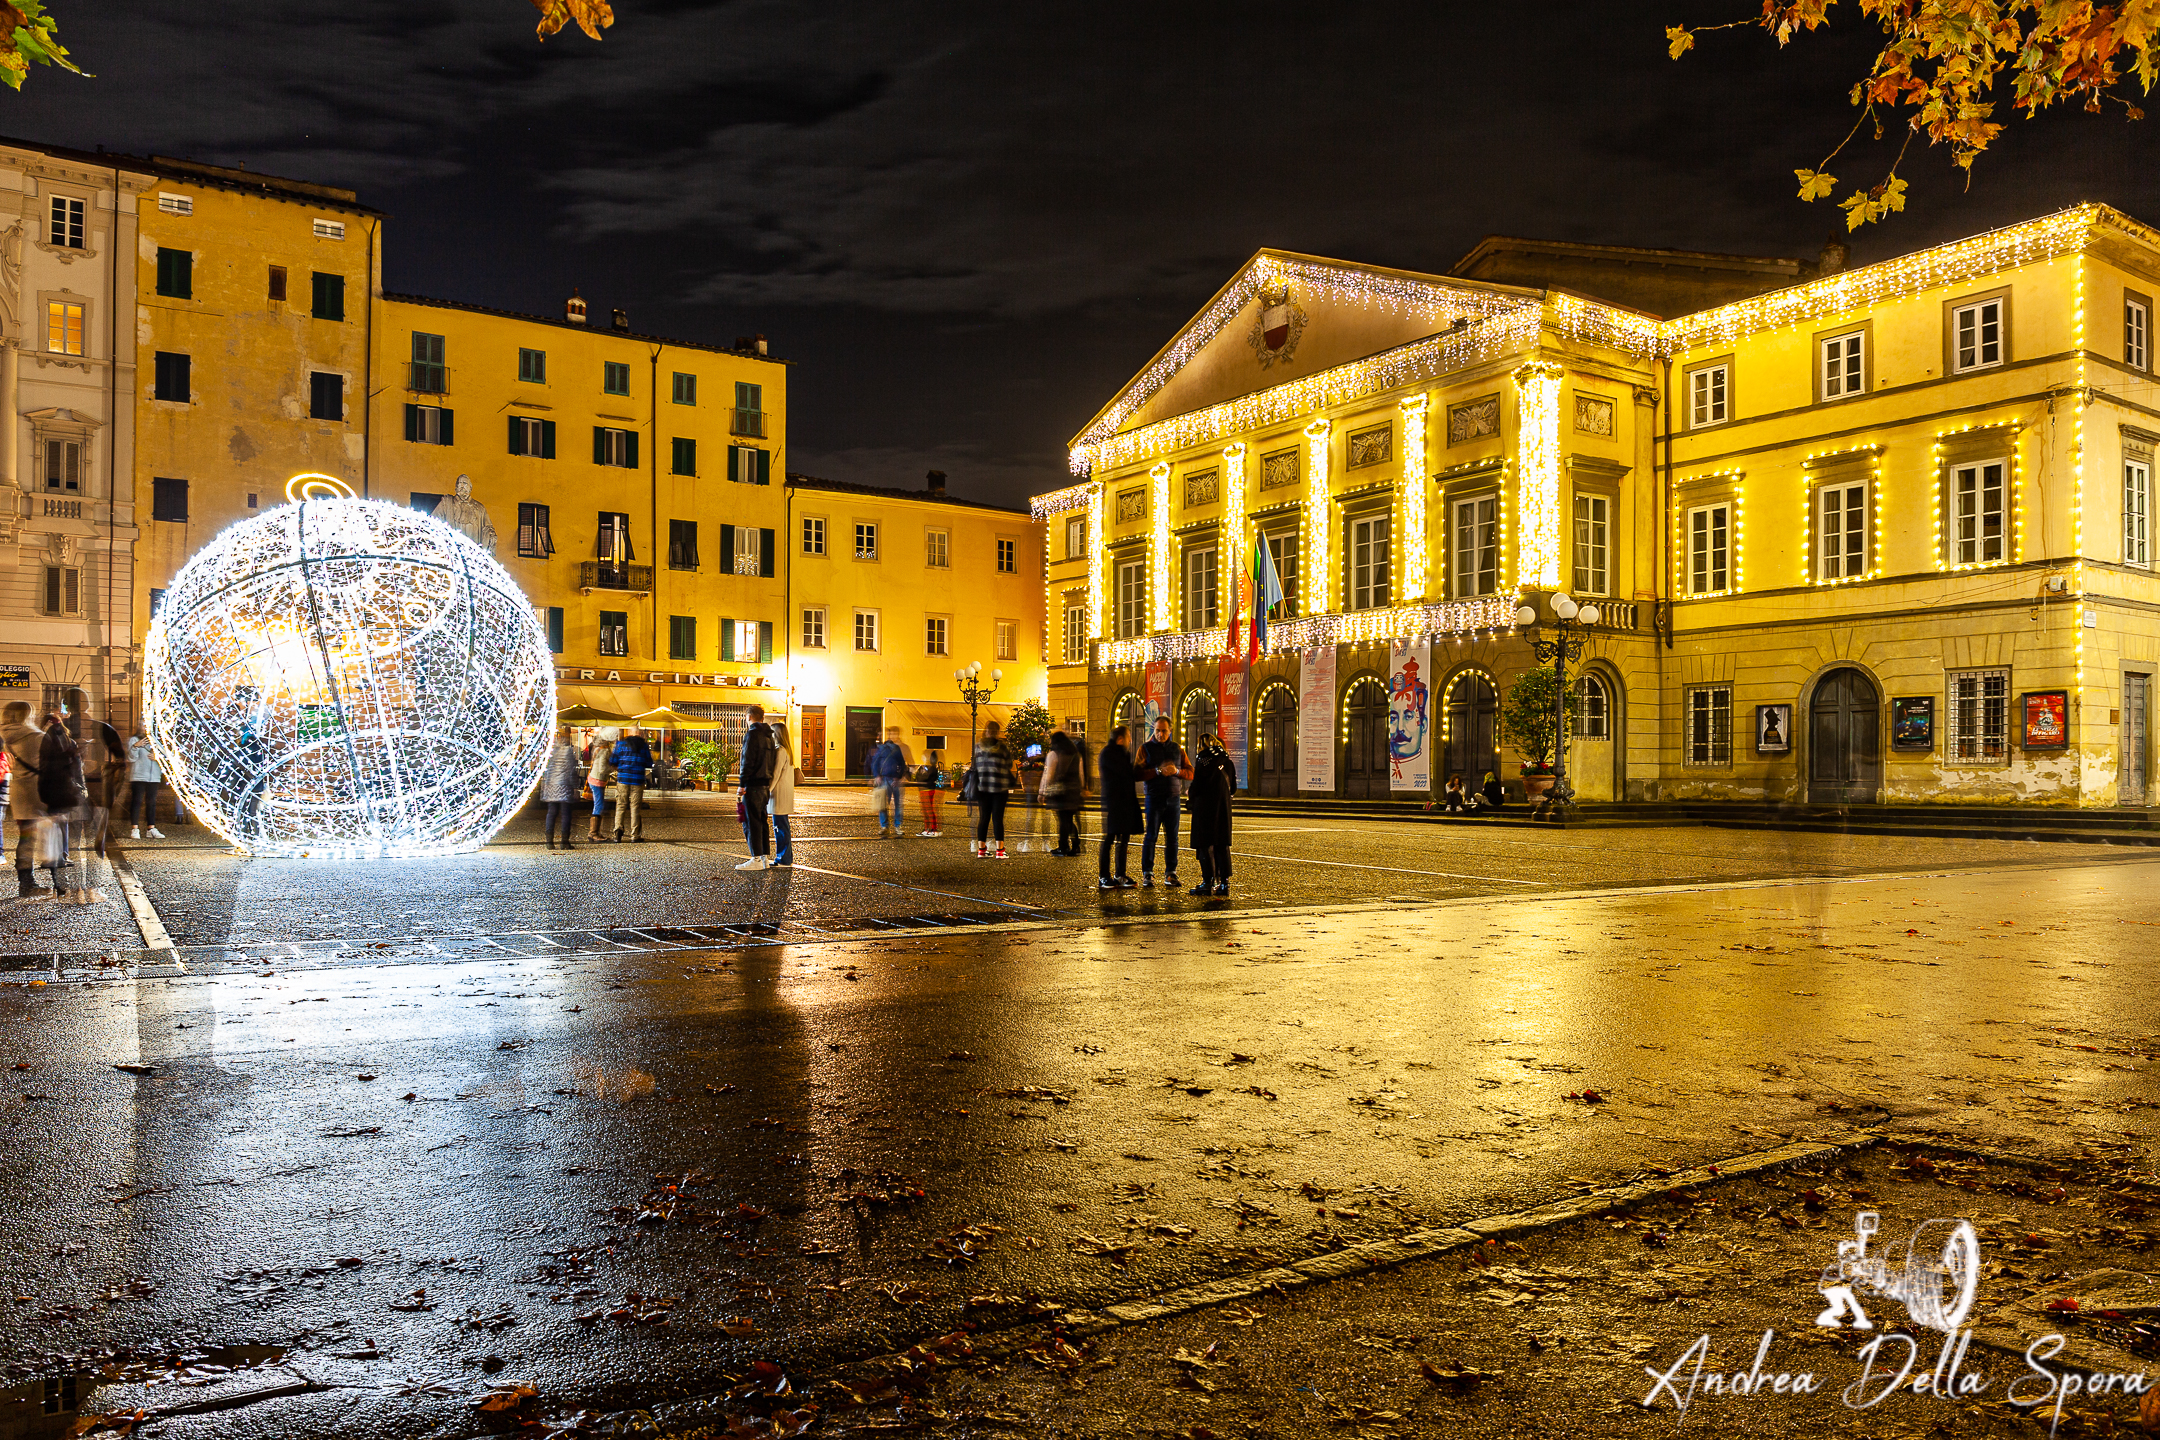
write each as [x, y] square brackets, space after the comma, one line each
[1120, 809]
[1214, 782]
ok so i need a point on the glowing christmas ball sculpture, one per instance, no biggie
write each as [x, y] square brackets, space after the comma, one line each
[346, 678]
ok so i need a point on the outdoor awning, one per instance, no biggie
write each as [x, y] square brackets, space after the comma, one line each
[919, 719]
[624, 700]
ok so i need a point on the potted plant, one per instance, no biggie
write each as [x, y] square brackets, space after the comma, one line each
[711, 762]
[1528, 720]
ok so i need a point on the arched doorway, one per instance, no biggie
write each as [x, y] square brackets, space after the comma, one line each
[1275, 763]
[1196, 718]
[1365, 754]
[1125, 710]
[1593, 718]
[1844, 740]
[1473, 725]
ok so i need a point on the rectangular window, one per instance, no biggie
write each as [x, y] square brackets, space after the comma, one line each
[684, 455]
[616, 447]
[67, 222]
[1709, 554]
[865, 541]
[535, 540]
[329, 229]
[532, 366]
[748, 465]
[1282, 550]
[425, 501]
[937, 548]
[171, 204]
[1075, 536]
[64, 328]
[532, 437]
[429, 425]
[326, 396]
[1008, 557]
[1592, 526]
[555, 629]
[813, 627]
[866, 630]
[813, 535]
[1708, 717]
[685, 389]
[1201, 586]
[329, 296]
[1005, 643]
[682, 545]
[1841, 535]
[1369, 556]
[748, 550]
[1075, 634]
[1977, 495]
[1131, 600]
[1977, 728]
[682, 637]
[63, 590]
[1709, 396]
[614, 632]
[2137, 332]
[1477, 547]
[749, 416]
[613, 546]
[2137, 507]
[1843, 366]
[176, 273]
[63, 466]
[614, 377]
[168, 499]
[934, 627]
[427, 373]
[171, 377]
[1976, 335]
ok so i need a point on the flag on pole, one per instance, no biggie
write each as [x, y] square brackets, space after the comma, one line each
[1240, 598]
[1267, 593]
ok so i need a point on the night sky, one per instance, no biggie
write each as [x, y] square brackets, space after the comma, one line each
[968, 225]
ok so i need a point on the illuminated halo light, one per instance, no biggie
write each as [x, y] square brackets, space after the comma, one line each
[313, 485]
[348, 679]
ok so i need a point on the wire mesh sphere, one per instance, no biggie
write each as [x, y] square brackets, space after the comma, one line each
[348, 679]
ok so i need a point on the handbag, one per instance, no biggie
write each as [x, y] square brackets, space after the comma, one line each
[967, 787]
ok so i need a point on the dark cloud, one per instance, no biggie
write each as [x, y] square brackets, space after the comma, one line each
[968, 224]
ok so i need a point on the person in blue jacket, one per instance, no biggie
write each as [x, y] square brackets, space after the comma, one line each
[888, 772]
[632, 760]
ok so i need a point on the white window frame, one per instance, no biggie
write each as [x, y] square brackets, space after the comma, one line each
[1282, 548]
[327, 229]
[1975, 317]
[428, 424]
[937, 635]
[746, 637]
[813, 627]
[937, 549]
[1075, 536]
[1709, 554]
[1005, 639]
[1706, 727]
[68, 226]
[615, 447]
[749, 550]
[1132, 599]
[1841, 530]
[1709, 395]
[2137, 334]
[866, 629]
[1972, 549]
[1593, 538]
[2137, 512]
[1590, 710]
[171, 204]
[1075, 634]
[1474, 534]
[62, 460]
[866, 540]
[1372, 554]
[81, 311]
[1842, 362]
[1202, 566]
[1008, 556]
[813, 535]
[1976, 717]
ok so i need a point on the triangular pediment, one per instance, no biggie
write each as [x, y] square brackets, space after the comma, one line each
[1286, 317]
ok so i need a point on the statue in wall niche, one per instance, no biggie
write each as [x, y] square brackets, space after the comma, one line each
[462, 512]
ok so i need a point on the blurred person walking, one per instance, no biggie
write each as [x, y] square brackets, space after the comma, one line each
[1064, 789]
[1115, 772]
[783, 795]
[1207, 800]
[599, 764]
[931, 780]
[991, 772]
[760, 761]
[888, 777]
[632, 760]
[144, 778]
[561, 781]
[22, 741]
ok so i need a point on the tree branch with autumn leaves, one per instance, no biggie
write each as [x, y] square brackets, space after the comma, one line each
[1943, 62]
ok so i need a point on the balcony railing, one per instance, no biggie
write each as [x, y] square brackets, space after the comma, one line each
[425, 377]
[748, 422]
[599, 575]
[1359, 627]
[63, 509]
[1616, 614]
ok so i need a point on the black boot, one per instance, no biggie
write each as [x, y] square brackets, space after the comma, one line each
[27, 888]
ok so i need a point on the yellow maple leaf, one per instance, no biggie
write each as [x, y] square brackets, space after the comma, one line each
[1814, 185]
[1678, 40]
[592, 16]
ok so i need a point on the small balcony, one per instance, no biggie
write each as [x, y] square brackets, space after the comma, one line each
[599, 575]
[748, 422]
[425, 377]
[63, 509]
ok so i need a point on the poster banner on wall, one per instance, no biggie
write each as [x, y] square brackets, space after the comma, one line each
[1316, 720]
[1154, 699]
[1409, 741]
[1233, 688]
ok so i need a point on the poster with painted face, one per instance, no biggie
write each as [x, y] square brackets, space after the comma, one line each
[1773, 729]
[1409, 717]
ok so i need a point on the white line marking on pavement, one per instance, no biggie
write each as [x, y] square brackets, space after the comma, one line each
[1237, 855]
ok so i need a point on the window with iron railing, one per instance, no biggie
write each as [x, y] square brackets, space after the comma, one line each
[749, 416]
[428, 375]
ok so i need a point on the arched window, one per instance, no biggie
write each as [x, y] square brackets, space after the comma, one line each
[1196, 717]
[1590, 709]
[1125, 710]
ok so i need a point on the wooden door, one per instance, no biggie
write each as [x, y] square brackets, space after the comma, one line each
[865, 728]
[1844, 740]
[810, 754]
[1365, 754]
[1275, 768]
[2135, 698]
[1473, 720]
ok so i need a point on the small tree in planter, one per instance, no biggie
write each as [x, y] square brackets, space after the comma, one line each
[1031, 724]
[1528, 721]
[712, 761]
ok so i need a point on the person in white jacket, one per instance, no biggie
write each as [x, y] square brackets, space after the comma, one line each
[783, 795]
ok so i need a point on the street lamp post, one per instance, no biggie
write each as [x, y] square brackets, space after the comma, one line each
[1570, 633]
[977, 694]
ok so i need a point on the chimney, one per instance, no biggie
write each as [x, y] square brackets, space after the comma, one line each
[750, 344]
[1834, 253]
[574, 308]
[622, 319]
[937, 482]
[760, 343]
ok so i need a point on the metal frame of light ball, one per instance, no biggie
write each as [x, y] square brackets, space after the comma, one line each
[307, 697]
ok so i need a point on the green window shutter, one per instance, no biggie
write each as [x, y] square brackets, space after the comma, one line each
[176, 273]
[547, 439]
[685, 456]
[329, 296]
[765, 555]
[555, 629]
[727, 639]
[764, 634]
[764, 466]
[412, 425]
[599, 445]
[517, 437]
[734, 464]
[630, 438]
[447, 437]
[727, 549]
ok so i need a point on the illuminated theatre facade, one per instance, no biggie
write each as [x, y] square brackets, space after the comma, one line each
[1865, 535]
